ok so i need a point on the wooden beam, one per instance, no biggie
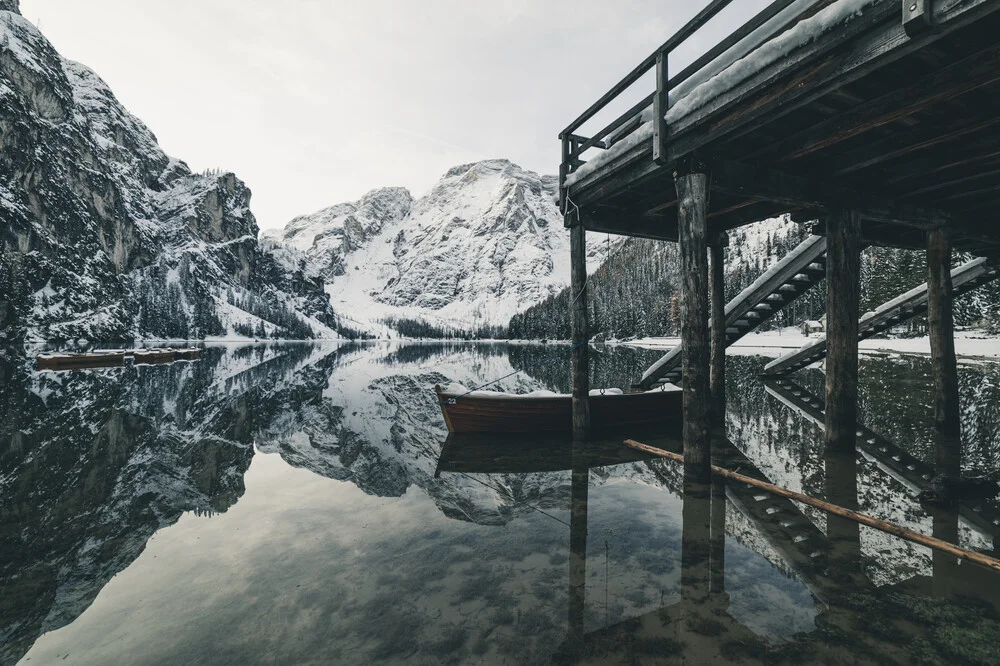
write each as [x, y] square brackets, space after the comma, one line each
[884, 150]
[979, 69]
[581, 333]
[942, 332]
[816, 193]
[843, 267]
[692, 193]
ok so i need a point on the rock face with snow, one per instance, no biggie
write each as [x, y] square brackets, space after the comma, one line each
[486, 242]
[104, 236]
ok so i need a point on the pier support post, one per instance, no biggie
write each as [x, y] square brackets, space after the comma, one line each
[692, 218]
[942, 332]
[718, 290]
[579, 490]
[581, 334]
[843, 267]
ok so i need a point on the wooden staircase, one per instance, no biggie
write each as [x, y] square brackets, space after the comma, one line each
[965, 278]
[794, 275]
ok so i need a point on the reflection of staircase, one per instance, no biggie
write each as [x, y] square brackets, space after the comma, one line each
[795, 274]
[794, 537]
[965, 278]
[907, 469]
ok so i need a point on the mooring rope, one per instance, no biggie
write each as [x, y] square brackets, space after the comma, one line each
[452, 401]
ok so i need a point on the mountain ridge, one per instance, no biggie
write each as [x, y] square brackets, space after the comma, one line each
[486, 241]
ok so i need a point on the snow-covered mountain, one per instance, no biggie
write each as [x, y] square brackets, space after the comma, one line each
[487, 241]
[105, 237]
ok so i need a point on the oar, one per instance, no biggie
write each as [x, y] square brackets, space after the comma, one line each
[890, 528]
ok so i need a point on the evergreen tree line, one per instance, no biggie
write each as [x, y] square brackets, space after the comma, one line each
[14, 291]
[287, 321]
[418, 328]
[635, 293]
[632, 294]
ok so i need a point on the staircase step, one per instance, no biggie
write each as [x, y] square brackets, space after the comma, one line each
[764, 307]
[817, 267]
[753, 316]
[775, 298]
[732, 331]
[788, 288]
[802, 277]
[742, 323]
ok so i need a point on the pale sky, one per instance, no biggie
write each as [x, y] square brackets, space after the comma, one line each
[315, 102]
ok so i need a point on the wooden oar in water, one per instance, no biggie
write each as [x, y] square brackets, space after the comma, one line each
[890, 528]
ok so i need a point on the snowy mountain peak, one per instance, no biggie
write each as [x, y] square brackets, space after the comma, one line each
[485, 242]
[331, 233]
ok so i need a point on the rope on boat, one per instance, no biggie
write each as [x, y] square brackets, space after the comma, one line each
[452, 401]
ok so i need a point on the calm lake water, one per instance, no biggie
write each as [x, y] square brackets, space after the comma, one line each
[302, 503]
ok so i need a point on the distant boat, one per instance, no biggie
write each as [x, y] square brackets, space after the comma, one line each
[488, 411]
[142, 356]
[101, 358]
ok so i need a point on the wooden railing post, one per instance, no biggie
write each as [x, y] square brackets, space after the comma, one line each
[661, 104]
[563, 172]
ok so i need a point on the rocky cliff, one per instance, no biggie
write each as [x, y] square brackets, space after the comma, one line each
[105, 237]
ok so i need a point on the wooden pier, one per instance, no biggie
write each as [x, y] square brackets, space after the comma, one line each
[876, 119]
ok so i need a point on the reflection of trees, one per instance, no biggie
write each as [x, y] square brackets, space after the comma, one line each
[610, 366]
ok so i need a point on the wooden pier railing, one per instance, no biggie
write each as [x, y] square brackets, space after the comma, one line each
[575, 145]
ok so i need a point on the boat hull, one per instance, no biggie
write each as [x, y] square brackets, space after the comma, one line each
[500, 413]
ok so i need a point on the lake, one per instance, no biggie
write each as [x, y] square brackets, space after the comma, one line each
[302, 503]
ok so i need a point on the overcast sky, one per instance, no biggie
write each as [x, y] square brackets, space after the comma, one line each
[315, 102]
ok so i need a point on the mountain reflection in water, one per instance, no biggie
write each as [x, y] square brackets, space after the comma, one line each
[303, 503]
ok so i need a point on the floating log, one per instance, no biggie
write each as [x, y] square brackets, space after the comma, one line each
[887, 527]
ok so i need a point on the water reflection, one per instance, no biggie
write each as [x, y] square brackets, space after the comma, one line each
[326, 468]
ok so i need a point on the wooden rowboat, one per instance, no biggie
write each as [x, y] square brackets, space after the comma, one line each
[486, 411]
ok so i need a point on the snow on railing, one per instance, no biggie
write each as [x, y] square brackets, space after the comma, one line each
[713, 72]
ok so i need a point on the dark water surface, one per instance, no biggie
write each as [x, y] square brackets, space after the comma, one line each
[301, 504]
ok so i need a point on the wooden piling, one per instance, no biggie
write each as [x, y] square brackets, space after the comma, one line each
[843, 267]
[717, 536]
[942, 332]
[718, 362]
[692, 216]
[581, 333]
[579, 490]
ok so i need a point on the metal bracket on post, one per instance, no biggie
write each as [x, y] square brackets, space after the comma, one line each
[917, 16]
[661, 104]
